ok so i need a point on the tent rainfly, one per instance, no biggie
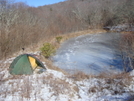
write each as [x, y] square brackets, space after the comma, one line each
[25, 64]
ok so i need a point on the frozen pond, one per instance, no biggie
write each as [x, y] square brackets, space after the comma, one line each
[92, 54]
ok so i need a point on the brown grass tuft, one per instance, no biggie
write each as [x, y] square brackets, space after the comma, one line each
[78, 76]
[113, 76]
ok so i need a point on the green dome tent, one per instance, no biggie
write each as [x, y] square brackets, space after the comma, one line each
[25, 64]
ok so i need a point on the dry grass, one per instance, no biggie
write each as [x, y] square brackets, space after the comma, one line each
[115, 86]
[113, 75]
[50, 65]
[59, 86]
[89, 31]
[16, 86]
[79, 76]
[33, 47]
[25, 86]
[67, 36]
[114, 83]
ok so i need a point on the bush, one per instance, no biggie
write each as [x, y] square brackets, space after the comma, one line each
[47, 50]
[58, 39]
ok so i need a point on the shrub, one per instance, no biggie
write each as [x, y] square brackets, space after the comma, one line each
[47, 50]
[58, 39]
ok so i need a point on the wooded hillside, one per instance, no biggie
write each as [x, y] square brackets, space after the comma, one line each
[22, 25]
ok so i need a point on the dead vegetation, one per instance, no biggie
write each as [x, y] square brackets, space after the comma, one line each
[115, 85]
[79, 76]
[24, 87]
[58, 86]
[27, 86]
[20, 34]
[23, 26]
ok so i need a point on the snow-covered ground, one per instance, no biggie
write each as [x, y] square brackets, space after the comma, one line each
[53, 85]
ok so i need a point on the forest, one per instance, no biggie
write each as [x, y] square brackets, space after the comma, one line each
[22, 26]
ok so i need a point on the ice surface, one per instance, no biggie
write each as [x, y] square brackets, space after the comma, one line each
[92, 54]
